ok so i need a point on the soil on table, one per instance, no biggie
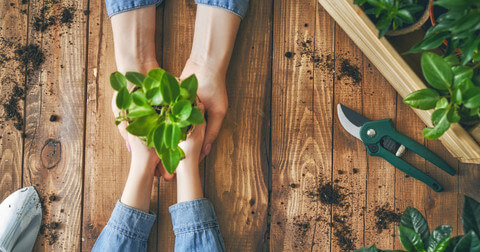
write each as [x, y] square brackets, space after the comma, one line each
[384, 216]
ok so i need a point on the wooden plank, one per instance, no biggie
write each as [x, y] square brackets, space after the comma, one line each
[13, 33]
[396, 71]
[294, 169]
[237, 167]
[53, 160]
[379, 102]
[409, 191]
[179, 21]
[348, 152]
[468, 177]
[323, 113]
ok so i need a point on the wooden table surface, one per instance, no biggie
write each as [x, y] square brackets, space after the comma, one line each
[280, 142]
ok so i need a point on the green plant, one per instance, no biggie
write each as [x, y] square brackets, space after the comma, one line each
[415, 235]
[452, 93]
[459, 27]
[390, 14]
[158, 110]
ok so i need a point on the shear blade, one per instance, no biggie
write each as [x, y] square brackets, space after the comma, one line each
[351, 120]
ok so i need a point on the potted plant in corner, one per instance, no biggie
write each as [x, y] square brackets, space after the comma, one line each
[396, 17]
[454, 78]
[415, 235]
[159, 110]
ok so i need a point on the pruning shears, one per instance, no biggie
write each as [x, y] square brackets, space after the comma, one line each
[381, 139]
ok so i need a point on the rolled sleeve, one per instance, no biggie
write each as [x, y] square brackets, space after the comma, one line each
[238, 7]
[119, 6]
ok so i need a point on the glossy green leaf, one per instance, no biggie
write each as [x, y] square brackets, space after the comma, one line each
[452, 4]
[442, 103]
[452, 243]
[461, 73]
[469, 242]
[452, 60]
[430, 42]
[182, 110]
[172, 135]
[457, 96]
[373, 248]
[169, 88]
[155, 96]
[170, 159]
[436, 71]
[453, 116]
[471, 215]
[156, 74]
[150, 142]
[472, 98]
[413, 219]
[439, 239]
[191, 85]
[123, 98]
[182, 153]
[138, 97]
[464, 86]
[139, 111]
[468, 51]
[196, 117]
[422, 99]
[441, 124]
[135, 78]
[410, 240]
[118, 81]
[142, 125]
[150, 83]
[159, 139]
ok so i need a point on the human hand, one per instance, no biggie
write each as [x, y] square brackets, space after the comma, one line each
[213, 96]
[192, 146]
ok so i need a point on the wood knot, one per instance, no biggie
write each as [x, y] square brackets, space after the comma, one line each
[51, 153]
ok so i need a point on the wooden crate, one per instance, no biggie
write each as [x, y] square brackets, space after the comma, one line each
[388, 61]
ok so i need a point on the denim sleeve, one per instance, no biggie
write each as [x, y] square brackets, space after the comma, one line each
[238, 7]
[127, 230]
[196, 227]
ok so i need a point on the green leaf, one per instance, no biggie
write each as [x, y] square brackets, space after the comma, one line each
[139, 111]
[465, 85]
[469, 242]
[155, 96]
[410, 240]
[422, 99]
[118, 81]
[123, 99]
[142, 125]
[150, 83]
[436, 71]
[471, 215]
[373, 248]
[452, 115]
[442, 103]
[452, 60]
[196, 116]
[472, 97]
[191, 85]
[156, 74]
[159, 139]
[182, 153]
[169, 88]
[461, 73]
[406, 16]
[457, 96]
[182, 110]
[139, 98]
[135, 78]
[440, 120]
[172, 135]
[468, 51]
[452, 4]
[413, 219]
[430, 42]
[439, 239]
[453, 242]
[150, 142]
[170, 159]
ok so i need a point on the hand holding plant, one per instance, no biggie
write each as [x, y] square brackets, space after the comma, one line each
[158, 110]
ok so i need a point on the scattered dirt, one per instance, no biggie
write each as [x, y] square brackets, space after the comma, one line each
[289, 54]
[11, 107]
[343, 232]
[53, 118]
[302, 224]
[328, 194]
[385, 216]
[351, 71]
[67, 15]
[43, 21]
[30, 56]
[51, 14]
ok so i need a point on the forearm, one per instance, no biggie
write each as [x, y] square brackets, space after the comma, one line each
[214, 37]
[189, 186]
[138, 188]
[134, 40]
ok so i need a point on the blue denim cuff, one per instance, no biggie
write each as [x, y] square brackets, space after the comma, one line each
[131, 222]
[191, 216]
[119, 6]
[238, 7]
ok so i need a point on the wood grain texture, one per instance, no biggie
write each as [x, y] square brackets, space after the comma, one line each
[294, 170]
[348, 152]
[379, 102]
[14, 30]
[381, 53]
[236, 171]
[106, 157]
[53, 160]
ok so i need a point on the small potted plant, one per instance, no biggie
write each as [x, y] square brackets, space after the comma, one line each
[396, 17]
[159, 110]
[415, 235]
